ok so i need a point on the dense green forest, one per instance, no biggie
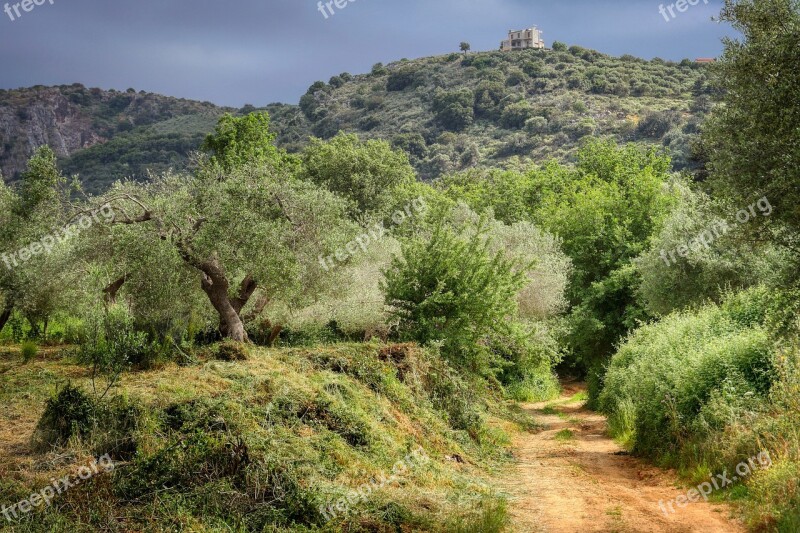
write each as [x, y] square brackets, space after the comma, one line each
[289, 326]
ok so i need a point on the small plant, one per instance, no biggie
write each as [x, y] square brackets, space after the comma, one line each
[564, 435]
[29, 350]
[112, 346]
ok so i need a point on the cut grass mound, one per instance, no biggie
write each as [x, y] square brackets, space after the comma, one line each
[347, 438]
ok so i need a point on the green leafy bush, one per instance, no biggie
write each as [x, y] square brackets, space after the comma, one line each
[515, 115]
[450, 289]
[687, 375]
[402, 78]
[69, 413]
[454, 110]
[29, 350]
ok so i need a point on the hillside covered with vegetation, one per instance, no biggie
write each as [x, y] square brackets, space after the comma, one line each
[485, 109]
[103, 136]
[449, 113]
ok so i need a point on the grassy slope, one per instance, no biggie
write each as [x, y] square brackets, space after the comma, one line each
[243, 446]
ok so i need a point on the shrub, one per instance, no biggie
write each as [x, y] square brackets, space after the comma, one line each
[336, 82]
[535, 68]
[451, 289]
[488, 96]
[515, 115]
[656, 125]
[378, 69]
[69, 413]
[680, 372]
[402, 79]
[29, 350]
[536, 125]
[515, 77]
[113, 343]
[454, 110]
[412, 143]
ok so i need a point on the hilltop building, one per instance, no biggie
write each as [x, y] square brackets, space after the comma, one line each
[523, 39]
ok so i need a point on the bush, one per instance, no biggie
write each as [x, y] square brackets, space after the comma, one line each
[402, 79]
[688, 374]
[488, 96]
[29, 350]
[515, 77]
[515, 115]
[113, 344]
[536, 125]
[450, 289]
[454, 110]
[378, 69]
[656, 125]
[336, 82]
[69, 413]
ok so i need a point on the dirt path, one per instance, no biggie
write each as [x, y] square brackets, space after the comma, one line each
[571, 477]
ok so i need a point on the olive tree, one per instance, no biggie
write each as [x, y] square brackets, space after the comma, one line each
[752, 139]
[31, 254]
[242, 228]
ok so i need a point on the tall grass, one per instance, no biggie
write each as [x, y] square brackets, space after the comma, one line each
[704, 390]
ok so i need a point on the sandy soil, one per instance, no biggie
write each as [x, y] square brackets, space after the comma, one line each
[586, 482]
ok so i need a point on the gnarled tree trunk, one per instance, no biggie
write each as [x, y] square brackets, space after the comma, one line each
[110, 292]
[215, 284]
[6, 315]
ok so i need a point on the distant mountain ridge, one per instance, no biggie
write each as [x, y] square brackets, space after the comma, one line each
[450, 113]
[73, 118]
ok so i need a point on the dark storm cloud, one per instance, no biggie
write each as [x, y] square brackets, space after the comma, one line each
[261, 51]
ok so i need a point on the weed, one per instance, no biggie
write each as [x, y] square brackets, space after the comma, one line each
[564, 435]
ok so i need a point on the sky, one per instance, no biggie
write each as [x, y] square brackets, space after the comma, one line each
[237, 52]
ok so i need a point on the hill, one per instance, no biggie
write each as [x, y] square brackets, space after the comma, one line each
[105, 135]
[460, 111]
[450, 113]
